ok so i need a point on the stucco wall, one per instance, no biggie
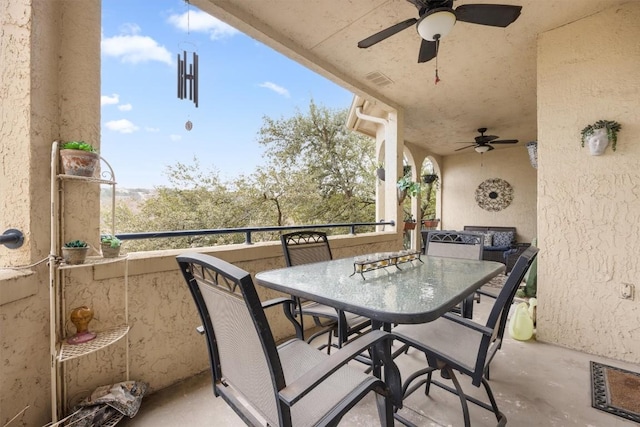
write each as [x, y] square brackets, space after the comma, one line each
[464, 172]
[28, 115]
[589, 207]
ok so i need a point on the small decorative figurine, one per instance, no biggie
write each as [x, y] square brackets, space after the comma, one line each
[80, 317]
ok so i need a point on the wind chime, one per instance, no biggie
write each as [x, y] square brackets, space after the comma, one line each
[188, 76]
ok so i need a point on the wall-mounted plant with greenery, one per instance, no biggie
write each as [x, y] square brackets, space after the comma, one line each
[599, 135]
[407, 187]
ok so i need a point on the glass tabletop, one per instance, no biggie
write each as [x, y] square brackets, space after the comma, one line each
[417, 292]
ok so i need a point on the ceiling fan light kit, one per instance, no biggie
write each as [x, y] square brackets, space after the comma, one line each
[482, 148]
[436, 23]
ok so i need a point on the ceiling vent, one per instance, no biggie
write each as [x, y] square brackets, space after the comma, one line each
[379, 79]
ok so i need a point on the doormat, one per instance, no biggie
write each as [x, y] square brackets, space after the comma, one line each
[616, 391]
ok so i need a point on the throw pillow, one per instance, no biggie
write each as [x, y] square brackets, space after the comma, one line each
[488, 239]
[502, 238]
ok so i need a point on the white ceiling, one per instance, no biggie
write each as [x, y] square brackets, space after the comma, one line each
[488, 74]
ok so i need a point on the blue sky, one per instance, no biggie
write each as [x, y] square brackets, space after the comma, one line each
[241, 80]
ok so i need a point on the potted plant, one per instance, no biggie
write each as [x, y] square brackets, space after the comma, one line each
[407, 187]
[110, 246]
[409, 222]
[599, 135]
[79, 158]
[380, 172]
[429, 178]
[75, 251]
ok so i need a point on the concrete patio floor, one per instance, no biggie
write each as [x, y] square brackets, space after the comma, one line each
[535, 384]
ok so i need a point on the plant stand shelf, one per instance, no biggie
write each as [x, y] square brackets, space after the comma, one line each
[102, 340]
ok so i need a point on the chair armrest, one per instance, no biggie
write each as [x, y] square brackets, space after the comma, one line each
[275, 301]
[468, 323]
[288, 306]
[296, 390]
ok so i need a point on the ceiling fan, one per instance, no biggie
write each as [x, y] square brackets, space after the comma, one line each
[482, 142]
[437, 17]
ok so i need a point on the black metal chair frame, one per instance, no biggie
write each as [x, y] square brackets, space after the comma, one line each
[221, 278]
[457, 327]
[338, 323]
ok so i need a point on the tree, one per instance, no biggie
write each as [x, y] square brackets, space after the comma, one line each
[332, 167]
[316, 172]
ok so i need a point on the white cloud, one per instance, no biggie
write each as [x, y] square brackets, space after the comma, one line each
[130, 28]
[175, 137]
[276, 88]
[125, 107]
[122, 126]
[109, 100]
[202, 22]
[134, 48]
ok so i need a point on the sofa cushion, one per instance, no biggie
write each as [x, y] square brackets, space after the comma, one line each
[488, 239]
[502, 238]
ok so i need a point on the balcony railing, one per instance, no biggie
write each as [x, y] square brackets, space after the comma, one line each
[247, 231]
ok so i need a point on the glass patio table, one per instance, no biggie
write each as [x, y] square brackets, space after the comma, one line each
[419, 291]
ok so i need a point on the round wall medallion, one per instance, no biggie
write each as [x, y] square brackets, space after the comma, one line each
[494, 194]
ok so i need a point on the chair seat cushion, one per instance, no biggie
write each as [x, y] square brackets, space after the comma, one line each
[458, 342]
[324, 311]
[297, 358]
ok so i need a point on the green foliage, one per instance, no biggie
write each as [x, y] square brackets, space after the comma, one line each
[76, 244]
[316, 172]
[108, 239]
[78, 145]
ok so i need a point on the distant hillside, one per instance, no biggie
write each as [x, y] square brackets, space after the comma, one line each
[132, 197]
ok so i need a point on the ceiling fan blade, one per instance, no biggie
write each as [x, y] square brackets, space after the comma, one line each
[495, 15]
[387, 32]
[428, 51]
[463, 148]
[486, 138]
[504, 141]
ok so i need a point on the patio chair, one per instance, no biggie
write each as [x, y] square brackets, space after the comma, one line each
[291, 384]
[455, 343]
[456, 244]
[304, 247]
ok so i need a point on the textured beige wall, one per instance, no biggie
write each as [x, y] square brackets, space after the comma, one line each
[463, 173]
[28, 124]
[589, 207]
[49, 89]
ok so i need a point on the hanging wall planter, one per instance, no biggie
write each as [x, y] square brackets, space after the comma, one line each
[429, 179]
[599, 135]
[532, 148]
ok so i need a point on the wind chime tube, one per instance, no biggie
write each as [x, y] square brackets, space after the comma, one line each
[179, 77]
[190, 77]
[195, 78]
[184, 74]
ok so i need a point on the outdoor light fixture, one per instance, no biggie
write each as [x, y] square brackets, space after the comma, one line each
[482, 148]
[436, 23]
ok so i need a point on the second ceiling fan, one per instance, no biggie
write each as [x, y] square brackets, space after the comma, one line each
[437, 17]
[483, 142]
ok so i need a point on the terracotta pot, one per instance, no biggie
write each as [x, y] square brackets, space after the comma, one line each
[79, 162]
[74, 255]
[409, 226]
[110, 252]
